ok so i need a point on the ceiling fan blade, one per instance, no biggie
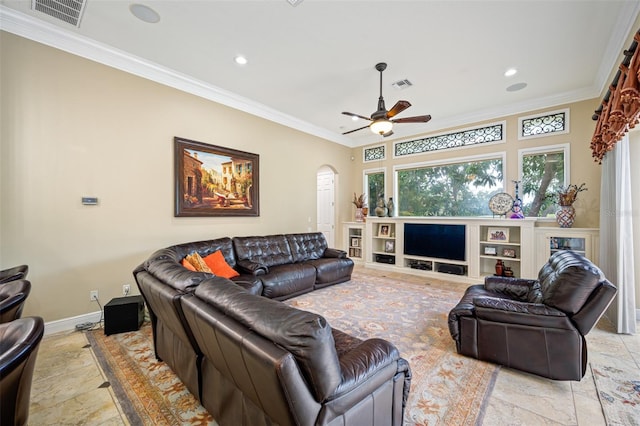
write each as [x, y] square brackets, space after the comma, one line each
[356, 115]
[355, 130]
[416, 119]
[398, 108]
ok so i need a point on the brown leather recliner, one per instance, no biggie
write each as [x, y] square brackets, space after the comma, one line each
[15, 273]
[19, 343]
[537, 326]
[13, 294]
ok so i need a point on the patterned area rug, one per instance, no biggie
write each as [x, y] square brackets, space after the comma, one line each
[446, 389]
[619, 392]
[411, 312]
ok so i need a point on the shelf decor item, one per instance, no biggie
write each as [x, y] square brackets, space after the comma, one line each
[490, 251]
[384, 230]
[389, 246]
[498, 234]
[501, 203]
[566, 213]
[508, 252]
[381, 208]
[359, 202]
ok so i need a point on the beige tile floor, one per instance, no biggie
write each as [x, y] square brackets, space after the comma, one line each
[66, 387]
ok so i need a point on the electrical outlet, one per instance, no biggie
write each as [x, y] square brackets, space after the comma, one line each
[126, 288]
[93, 295]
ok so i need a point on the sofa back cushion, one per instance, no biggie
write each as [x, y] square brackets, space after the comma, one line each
[165, 265]
[307, 246]
[269, 250]
[205, 248]
[306, 335]
[567, 280]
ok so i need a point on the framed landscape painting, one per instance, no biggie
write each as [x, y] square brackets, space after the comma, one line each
[215, 181]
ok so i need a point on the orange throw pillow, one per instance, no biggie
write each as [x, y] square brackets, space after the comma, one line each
[197, 262]
[215, 261]
[188, 265]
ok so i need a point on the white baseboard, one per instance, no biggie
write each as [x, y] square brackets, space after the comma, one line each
[69, 324]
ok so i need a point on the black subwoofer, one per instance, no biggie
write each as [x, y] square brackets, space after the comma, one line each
[123, 314]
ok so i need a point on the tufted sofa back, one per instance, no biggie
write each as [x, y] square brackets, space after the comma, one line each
[307, 246]
[270, 250]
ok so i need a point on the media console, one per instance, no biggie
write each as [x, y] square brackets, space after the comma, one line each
[462, 249]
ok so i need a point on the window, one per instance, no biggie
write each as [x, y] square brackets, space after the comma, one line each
[461, 188]
[543, 170]
[374, 187]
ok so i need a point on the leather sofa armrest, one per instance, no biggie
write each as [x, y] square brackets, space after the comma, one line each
[331, 252]
[363, 361]
[508, 312]
[252, 267]
[514, 288]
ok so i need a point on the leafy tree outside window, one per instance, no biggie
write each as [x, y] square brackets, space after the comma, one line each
[374, 184]
[543, 173]
[458, 189]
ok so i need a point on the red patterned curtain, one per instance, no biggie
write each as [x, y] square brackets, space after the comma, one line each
[620, 109]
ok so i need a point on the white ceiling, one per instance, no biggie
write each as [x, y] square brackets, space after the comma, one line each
[310, 62]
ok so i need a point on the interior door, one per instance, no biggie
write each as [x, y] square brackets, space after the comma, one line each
[326, 206]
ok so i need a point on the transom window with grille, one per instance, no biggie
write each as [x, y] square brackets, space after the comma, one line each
[460, 188]
[543, 171]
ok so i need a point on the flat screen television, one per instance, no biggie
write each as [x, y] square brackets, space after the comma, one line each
[435, 240]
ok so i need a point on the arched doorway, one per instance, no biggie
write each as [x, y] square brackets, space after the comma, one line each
[326, 204]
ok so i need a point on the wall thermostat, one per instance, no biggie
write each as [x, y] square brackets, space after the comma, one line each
[89, 201]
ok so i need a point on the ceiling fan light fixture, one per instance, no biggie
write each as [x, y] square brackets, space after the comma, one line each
[381, 126]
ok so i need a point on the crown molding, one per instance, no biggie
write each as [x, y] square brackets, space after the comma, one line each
[51, 35]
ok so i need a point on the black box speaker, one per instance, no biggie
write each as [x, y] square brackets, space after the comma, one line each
[123, 314]
[448, 268]
[385, 258]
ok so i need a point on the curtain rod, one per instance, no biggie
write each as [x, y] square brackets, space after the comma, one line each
[627, 59]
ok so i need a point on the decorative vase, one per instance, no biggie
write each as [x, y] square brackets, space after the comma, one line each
[499, 267]
[565, 216]
[390, 207]
[381, 209]
[359, 214]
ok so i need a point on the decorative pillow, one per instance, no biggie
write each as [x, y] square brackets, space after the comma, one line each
[215, 261]
[188, 265]
[197, 262]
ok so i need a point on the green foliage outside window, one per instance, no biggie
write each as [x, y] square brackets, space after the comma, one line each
[461, 189]
[542, 176]
[375, 189]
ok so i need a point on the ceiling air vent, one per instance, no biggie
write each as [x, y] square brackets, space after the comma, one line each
[402, 84]
[69, 11]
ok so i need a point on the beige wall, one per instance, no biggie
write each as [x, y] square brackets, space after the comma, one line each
[73, 128]
[582, 166]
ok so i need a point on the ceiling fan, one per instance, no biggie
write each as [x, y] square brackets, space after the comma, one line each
[381, 123]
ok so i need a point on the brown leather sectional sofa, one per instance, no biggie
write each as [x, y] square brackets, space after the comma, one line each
[252, 360]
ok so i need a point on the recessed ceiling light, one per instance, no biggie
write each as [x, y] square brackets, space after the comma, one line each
[510, 72]
[516, 87]
[240, 60]
[144, 13]
[354, 118]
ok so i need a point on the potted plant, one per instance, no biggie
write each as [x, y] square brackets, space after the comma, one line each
[566, 196]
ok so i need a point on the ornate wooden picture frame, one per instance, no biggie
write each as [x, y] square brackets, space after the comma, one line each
[215, 181]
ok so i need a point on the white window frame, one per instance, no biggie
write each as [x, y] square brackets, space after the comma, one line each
[365, 181]
[566, 150]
